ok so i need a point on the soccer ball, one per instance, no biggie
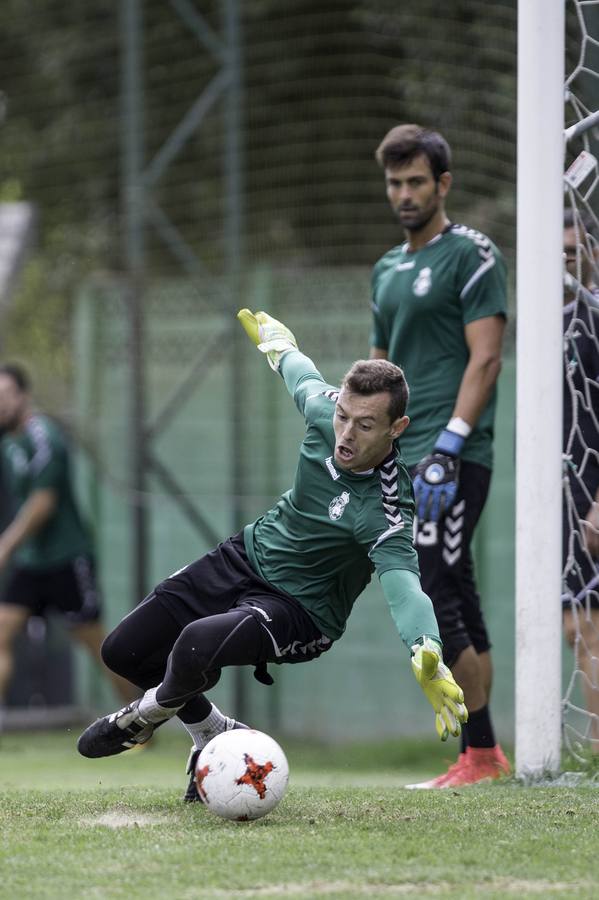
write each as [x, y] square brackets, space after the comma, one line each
[241, 774]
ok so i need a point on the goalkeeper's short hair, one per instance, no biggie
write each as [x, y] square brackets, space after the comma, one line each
[377, 376]
[405, 142]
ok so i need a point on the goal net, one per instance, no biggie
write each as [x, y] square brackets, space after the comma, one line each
[580, 559]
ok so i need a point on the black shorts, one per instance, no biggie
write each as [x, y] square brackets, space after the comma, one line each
[70, 589]
[446, 566]
[224, 580]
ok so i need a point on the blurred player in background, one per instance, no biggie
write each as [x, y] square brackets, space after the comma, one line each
[580, 531]
[439, 310]
[46, 541]
[281, 590]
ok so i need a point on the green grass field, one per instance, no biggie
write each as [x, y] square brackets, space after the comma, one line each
[347, 828]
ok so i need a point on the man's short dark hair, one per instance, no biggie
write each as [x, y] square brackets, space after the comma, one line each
[19, 375]
[405, 142]
[377, 376]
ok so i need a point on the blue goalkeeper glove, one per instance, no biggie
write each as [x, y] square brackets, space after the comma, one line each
[436, 480]
[441, 690]
[269, 335]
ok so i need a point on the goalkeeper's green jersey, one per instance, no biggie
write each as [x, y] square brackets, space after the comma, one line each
[329, 533]
[37, 458]
[421, 302]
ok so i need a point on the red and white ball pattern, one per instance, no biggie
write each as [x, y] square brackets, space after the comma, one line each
[241, 774]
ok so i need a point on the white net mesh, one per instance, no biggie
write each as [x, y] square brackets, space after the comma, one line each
[580, 576]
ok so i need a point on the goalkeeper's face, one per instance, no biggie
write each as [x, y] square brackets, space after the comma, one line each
[415, 197]
[364, 433]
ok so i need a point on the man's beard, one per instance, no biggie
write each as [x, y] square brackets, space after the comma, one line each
[420, 223]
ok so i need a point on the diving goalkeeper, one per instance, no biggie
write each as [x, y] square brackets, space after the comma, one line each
[281, 590]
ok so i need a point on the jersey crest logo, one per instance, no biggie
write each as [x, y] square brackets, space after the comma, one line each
[423, 282]
[337, 506]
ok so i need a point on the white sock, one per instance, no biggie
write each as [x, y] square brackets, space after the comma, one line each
[152, 711]
[202, 732]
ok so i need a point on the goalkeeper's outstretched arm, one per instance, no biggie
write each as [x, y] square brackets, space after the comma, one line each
[415, 620]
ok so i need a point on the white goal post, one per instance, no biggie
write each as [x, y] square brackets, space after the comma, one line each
[541, 29]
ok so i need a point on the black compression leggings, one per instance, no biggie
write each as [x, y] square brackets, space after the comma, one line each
[149, 647]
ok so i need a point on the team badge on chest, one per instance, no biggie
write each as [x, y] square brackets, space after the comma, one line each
[337, 506]
[423, 282]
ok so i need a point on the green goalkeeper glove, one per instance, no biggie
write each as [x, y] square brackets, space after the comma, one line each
[443, 693]
[269, 335]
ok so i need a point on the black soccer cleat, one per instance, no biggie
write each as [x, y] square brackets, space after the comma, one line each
[191, 795]
[115, 733]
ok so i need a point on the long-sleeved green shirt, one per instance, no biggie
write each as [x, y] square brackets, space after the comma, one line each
[326, 536]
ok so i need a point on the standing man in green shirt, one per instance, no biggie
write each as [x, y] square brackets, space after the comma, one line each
[439, 310]
[50, 548]
[282, 589]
